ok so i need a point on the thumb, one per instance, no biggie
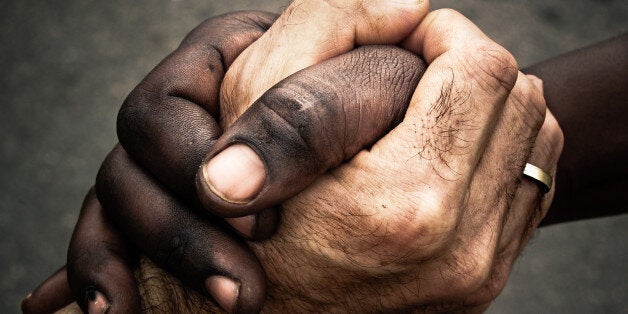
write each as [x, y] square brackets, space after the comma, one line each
[306, 124]
[309, 32]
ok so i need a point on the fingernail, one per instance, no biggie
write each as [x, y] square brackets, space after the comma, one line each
[224, 290]
[236, 174]
[24, 302]
[244, 225]
[96, 301]
[28, 296]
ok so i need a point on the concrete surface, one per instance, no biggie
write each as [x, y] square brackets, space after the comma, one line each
[67, 66]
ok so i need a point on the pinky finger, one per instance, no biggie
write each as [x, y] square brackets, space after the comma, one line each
[51, 296]
[531, 204]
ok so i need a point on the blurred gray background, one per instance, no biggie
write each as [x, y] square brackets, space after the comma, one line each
[67, 65]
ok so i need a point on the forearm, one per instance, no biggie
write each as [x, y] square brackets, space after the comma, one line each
[587, 90]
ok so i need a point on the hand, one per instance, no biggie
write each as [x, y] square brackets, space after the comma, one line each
[447, 241]
[111, 258]
[434, 215]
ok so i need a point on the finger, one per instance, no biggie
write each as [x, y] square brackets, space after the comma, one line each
[531, 204]
[311, 31]
[493, 186]
[478, 226]
[527, 209]
[52, 295]
[168, 122]
[500, 169]
[100, 264]
[199, 253]
[454, 108]
[305, 125]
[170, 117]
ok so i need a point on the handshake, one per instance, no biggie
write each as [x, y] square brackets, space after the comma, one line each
[344, 156]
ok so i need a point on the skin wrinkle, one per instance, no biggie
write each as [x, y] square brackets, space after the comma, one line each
[529, 105]
[503, 68]
[307, 146]
[327, 137]
[320, 99]
[357, 25]
[346, 114]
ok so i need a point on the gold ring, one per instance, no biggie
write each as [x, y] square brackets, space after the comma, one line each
[540, 176]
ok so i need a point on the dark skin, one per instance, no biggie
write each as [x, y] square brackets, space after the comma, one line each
[586, 91]
[610, 74]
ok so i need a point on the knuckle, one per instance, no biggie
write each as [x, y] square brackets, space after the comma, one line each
[556, 135]
[487, 293]
[429, 226]
[529, 103]
[487, 62]
[436, 26]
[238, 23]
[494, 285]
[132, 116]
[107, 179]
[445, 15]
[440, 222]
[550, 141]
[248, 19]
[494, 66]
[469, 272]
[298, 119]
[347, 6]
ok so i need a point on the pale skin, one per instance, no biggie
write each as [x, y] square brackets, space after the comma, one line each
[488, 248]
